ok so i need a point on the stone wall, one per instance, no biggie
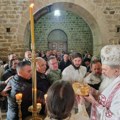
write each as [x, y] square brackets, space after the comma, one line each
[10, 17]
[78, 32]
[103, 17]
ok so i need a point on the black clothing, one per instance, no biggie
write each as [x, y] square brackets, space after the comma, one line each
[20, 85]
[3, 99]
[2, 85]
[7, 67]
[88, 68]
[95, 86]
[63, 65]
[8, 73]
[42, 84]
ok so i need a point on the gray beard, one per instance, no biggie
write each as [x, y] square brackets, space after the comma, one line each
[95, 79]
[106, 82]
[97, 75]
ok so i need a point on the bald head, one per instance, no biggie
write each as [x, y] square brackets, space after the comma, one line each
[28, 54]
[40, 65]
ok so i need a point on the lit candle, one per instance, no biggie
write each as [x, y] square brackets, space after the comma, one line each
[38, 105]
[18, 96]
[45, 96]
[32, 25]
[34, 82]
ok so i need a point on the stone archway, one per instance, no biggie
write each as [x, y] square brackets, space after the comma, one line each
[57, 40]
[86, 11]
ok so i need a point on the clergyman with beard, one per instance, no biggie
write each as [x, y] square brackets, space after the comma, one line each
[107, 107]
[75, 71]
[94, 79]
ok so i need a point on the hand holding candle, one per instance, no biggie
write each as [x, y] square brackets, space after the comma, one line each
[18, 96]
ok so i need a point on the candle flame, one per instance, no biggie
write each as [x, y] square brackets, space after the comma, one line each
[32, 5]
[18, 96]
[45, 96]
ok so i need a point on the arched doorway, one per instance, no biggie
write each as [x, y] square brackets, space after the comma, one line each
[57, 40]
[97, 26]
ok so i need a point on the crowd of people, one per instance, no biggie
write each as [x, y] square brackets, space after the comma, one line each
[55, 74]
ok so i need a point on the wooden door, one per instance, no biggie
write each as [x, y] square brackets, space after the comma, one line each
[60, 46]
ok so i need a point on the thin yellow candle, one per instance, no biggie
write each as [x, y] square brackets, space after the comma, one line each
[32, 25]
[34, 84]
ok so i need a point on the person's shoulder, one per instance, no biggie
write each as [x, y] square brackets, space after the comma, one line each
[47, 72]
[89, 75]
[59, 71]
[68, 68]
[83, 67]
[47, 118]
[61, 62]
[87, 78]
[11, 79]
[6, 71]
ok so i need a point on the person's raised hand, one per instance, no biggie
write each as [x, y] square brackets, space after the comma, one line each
[6, 91]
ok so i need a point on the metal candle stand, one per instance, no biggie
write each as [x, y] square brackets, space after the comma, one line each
[19, 109]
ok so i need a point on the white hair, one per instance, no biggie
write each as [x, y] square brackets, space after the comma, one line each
[105, 82]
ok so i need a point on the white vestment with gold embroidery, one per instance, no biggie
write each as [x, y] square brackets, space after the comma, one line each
[109, 103]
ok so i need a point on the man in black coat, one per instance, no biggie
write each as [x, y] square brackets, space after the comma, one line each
[42, 81]
[19, 84]
[11, 71]
[65, 62]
